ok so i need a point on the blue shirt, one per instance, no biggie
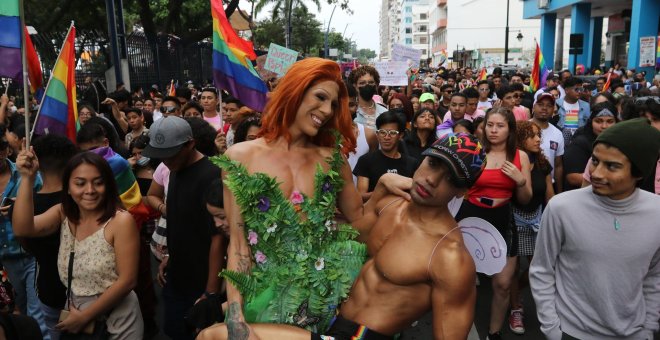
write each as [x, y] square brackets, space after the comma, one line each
[9, 246]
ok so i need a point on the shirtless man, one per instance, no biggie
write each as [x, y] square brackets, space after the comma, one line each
[418, 258]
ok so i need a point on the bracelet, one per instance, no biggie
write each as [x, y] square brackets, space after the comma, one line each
[207, 294]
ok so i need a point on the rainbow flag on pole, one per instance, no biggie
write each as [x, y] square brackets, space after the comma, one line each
[483, 74]
[232, 66]
[539, 71]
[58, 112]
[10, 40]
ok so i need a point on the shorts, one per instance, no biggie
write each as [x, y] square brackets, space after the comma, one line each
[342, 329]
[500, 217]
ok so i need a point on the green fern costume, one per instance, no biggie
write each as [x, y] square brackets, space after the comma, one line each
[305, 263]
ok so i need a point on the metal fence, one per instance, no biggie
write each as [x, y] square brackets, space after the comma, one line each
[149, 63]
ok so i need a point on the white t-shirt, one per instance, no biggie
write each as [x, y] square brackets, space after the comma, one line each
[572, 116]
[361, 149]
[552, 144]
[484, 106]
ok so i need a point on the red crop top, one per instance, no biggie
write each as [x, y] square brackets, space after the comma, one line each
[493, 183]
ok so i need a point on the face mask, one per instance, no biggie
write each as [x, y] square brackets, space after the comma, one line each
[367, 91]
[143, 161]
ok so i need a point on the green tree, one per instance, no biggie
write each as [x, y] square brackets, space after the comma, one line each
[364, 54]
[268, 31]
[307, 29]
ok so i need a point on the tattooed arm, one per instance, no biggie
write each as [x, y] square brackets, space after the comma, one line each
[238, 260]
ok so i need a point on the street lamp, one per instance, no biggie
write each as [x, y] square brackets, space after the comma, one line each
[328, 31]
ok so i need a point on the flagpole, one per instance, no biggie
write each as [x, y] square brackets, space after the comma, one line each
[26, 93]
[49, 79]
[7, 86]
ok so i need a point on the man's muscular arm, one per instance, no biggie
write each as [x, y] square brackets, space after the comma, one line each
[454, 293]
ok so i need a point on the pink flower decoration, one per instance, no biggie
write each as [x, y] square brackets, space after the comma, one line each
[252, 238]
[296, 197]
[259, 257]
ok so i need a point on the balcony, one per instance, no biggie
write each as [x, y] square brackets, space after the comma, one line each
[442, 23]
[442, 3]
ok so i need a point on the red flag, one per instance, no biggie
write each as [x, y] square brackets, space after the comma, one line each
[172, 91]
[607, 83]
[34, 67]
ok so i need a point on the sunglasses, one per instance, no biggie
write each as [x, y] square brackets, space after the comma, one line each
[169, 109]
[385, 133]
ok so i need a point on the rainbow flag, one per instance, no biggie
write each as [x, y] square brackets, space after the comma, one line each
[232, 66]
[10, 41]
[606, 87]
[483, 74]
[58, 112]
[129, 191]
[172, 91]
[34, 67]
[539, 71]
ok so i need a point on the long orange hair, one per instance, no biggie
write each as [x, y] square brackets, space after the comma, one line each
[281, 109]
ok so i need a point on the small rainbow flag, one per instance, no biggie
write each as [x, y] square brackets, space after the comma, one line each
[129, 191]
[232, 66]
[539, 71]
[58, 112]
[10, 40]
[483, 74]
[607, 83]
[172, 91]
[34, 67]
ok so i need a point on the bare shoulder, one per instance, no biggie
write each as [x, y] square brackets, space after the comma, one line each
[452, 264]
[122, 219]
[242, 152]
[324, 151]
[524, 158]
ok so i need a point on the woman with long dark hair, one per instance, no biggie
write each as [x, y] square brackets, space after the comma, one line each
[507, 174]
[99, 244]
[422, 133]
[527, 217]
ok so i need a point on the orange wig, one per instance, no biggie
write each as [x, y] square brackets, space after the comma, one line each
[281, 110]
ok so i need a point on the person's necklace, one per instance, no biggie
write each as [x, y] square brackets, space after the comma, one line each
[617, 224]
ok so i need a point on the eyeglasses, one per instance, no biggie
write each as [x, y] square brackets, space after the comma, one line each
[579, 89]
[363, 83]
[484, 90]
[168, 109]
[385, 133]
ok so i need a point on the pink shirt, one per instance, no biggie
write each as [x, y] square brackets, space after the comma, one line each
[471, 117]
[520, 113]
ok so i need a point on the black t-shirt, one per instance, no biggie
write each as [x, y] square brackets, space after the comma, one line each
[50, 289]
[539, 187]
[374, 164]
[576, 156]
[415, 147]
[189, 225]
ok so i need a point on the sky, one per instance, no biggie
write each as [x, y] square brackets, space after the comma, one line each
[362, 24]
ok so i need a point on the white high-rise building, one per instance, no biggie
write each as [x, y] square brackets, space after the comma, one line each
[390, 14]
[414, 27]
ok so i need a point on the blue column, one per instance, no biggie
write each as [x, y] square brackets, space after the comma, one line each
[596, 39]
[547, 43]
[643, 23]
[580, 22]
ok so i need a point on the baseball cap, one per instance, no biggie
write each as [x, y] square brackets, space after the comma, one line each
[426, 96]
[166, 137]
[463, 155]
[552, 75]
[546, 95]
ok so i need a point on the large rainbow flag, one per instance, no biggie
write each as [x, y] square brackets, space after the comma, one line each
[539, 71]
[232, 66]
[10, 40]
[129, 191]
[58, 112]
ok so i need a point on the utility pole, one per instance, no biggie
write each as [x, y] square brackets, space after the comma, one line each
[506, 35]
[559, 47]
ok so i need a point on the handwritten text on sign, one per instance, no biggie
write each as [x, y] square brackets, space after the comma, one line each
[407, 54]
[392, 73]
[280, 59]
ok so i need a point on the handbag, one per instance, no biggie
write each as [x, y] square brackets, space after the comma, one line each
[95, 330]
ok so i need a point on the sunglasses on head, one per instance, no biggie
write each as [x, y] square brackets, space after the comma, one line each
[169, 109]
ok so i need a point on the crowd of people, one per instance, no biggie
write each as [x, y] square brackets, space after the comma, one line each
[327, 215]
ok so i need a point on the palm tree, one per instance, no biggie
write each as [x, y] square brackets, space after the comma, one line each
[287, 6]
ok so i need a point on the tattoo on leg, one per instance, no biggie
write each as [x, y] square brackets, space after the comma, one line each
[236, 329]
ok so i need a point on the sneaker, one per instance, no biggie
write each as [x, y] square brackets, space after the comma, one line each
[494, 336]
[516, 321]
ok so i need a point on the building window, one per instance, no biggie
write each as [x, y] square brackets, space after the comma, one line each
[423, 40]
[408, 30]
[408, 9]
[408, 20]
[408, 41]
[422, 16]
[422, 28]
[423, 51]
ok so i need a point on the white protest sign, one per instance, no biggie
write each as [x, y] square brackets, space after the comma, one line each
[280, 59]
[392, 73]
[485, 244]
[646, 51]
[407, 54]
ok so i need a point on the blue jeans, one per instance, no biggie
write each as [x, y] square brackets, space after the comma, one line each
[21, 272]
[52, 318]
[177, 303]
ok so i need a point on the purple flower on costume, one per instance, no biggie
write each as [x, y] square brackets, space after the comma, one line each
[264, 204]
[259, 257]
[327, 187]
[252, 238]
[296, 197]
